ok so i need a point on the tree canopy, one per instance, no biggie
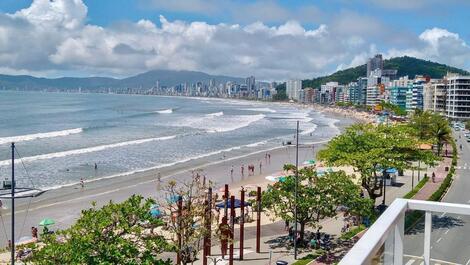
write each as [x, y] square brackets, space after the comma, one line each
[371, 149]
[117, 233]
[318, 197]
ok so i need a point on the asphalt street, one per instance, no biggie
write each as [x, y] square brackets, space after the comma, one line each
[450, 237]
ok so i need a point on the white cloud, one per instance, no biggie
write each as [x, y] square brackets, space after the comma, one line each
[53, 38]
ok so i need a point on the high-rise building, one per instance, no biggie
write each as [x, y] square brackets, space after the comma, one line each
[250, 83]
[414, 96]
[458, 97]
[374, 63]
[293, 88]
[435, 94]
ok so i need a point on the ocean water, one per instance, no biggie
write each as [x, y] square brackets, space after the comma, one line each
[59, 137]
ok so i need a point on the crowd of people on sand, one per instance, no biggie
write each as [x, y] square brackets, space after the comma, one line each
[251, 167]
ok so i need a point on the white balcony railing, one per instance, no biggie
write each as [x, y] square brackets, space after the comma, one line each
[389, 230]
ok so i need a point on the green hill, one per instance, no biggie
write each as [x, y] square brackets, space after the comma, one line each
[405, 65]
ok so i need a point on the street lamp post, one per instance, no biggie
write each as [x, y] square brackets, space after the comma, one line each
[296, 187]
[9, 191]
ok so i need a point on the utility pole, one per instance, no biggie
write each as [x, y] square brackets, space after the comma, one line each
[296, 187]
[12, 203]
[9, 191]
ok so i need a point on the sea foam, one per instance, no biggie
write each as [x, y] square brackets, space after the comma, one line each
[87, 150]
[165, 111]
[30, 137]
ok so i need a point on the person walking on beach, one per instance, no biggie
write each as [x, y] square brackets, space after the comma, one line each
[224, 231]
[260, 166]
[269, 158]
[243, 170]
[231, 172]
[159, 181]
[96, 166]
[82, 183]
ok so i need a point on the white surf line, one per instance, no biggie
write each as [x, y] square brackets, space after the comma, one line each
[439, 240]
[447, 231]
[86, 150]
[140, 183]
[411, 261]
[435, 260]
[442, 215]
[468, 262]
[150, 181]
[34, 136]
[84, 197]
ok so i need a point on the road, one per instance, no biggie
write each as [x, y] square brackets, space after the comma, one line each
[450, 236]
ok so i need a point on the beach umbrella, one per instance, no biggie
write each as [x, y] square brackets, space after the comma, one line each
[309, 162]
[271, 178]
[237, 204]
[173, 198]
[155, 212]
[46, 222]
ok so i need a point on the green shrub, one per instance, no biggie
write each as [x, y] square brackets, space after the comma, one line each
[353, 232]
[413, 217]
[417, 188]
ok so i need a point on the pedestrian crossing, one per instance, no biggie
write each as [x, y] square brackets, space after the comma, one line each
[413, 260]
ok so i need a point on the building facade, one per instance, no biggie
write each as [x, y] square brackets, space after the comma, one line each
[458, 97]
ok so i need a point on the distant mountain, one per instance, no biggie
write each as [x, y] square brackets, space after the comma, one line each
[405, 65]
[144, 80]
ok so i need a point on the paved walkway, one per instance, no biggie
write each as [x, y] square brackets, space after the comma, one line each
[274, 236]
[431, 186]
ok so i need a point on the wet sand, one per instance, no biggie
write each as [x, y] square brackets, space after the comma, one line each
[65, 204]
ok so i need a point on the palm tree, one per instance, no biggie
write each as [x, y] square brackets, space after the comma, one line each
[440, 131]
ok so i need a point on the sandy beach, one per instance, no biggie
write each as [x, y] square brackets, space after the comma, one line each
[65, 204]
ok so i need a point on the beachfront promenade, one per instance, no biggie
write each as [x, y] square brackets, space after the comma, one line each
[274, 236]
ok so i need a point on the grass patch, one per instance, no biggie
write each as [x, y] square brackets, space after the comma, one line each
[309, 258]
[353, 232]
[417, 188]
[413, 217]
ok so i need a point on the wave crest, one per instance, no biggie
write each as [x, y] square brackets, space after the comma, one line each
[30, 137]
[216, 114]
[87, 150]
[165, 111]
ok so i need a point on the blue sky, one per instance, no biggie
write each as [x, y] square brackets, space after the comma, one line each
[180, 34]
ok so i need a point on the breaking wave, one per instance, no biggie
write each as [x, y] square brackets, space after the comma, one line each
[165, 111]
[216, 114]
[30, 137]
[87, 150]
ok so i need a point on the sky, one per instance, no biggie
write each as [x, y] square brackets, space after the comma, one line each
[271, 39]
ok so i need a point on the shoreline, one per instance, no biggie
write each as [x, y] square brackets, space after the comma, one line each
[65, 203]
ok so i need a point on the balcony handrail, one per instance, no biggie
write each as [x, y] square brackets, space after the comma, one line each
[383, 228]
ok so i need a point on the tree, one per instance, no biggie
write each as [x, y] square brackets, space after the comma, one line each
[187, 229]
[397, 110]
[317, 197]
[441, 132]
[371, 149]
[421, 122]
[117, 233]
[431, 128]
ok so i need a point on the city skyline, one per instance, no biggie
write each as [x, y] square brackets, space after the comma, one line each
[279, 41]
